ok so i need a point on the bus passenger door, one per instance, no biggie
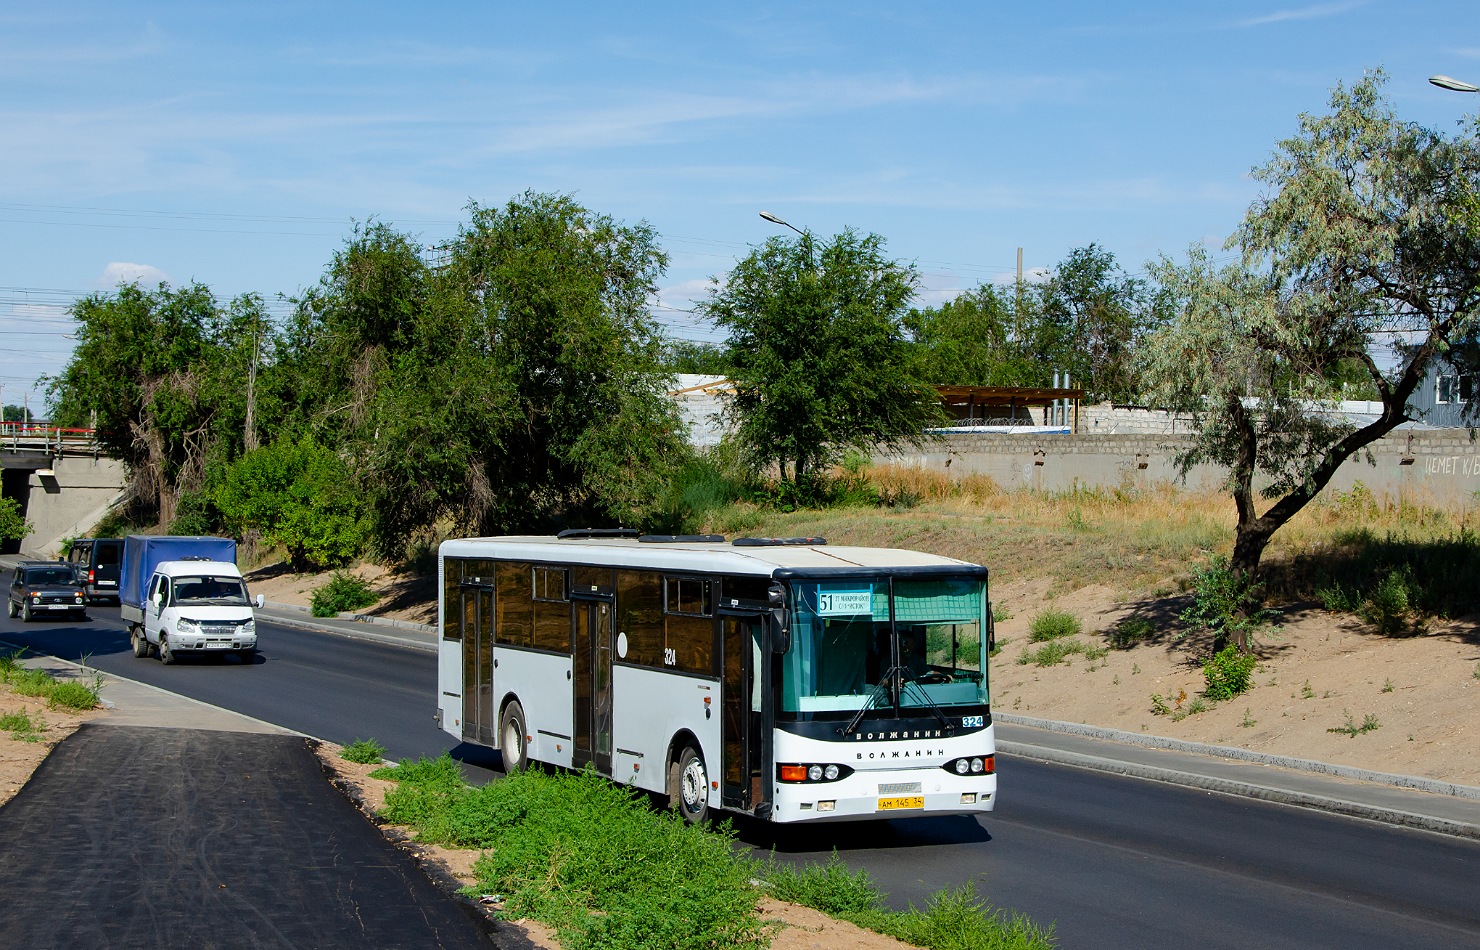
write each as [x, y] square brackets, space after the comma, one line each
[592, 695]
[741, 728]
[477, 623]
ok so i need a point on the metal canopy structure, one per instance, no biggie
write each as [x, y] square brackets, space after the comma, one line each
[973, 404]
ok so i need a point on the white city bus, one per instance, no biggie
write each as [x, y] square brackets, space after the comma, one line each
[782, 678]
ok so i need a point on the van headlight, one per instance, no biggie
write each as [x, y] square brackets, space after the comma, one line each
[249, 628]
[187, 626]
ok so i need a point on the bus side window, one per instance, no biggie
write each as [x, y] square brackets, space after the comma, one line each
[451, 598]
[551, 609]
[689, 625]
[513, 606]
[640, 616]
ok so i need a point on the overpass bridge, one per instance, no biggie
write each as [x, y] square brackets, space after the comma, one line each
[62, 479]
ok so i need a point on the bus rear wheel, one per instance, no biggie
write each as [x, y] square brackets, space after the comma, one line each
[688, 786]
[511, 739]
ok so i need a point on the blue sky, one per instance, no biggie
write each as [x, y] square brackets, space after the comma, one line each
[234, 145]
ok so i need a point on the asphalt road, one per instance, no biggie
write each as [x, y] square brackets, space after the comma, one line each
[1115, 862]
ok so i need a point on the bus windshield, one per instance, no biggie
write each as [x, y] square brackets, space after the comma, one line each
[847, 635]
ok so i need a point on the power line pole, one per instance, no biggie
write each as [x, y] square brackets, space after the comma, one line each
[249, 438]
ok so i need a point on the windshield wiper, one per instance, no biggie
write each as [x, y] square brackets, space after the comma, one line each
[872, 698]
[930, 704]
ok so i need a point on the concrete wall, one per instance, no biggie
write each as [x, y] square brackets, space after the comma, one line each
[1441, 465]
[70, 502]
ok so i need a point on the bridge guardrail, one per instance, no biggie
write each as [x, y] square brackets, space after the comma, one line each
[42, 436]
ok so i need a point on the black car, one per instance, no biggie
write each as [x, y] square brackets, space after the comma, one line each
[46, 587]
[96, 561]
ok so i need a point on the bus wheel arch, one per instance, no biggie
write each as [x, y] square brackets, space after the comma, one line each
[688, 779]
[513, 743]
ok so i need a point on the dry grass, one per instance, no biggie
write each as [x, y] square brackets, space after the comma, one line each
[1136, 542]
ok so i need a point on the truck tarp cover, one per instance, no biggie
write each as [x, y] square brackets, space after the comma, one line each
[142, 554]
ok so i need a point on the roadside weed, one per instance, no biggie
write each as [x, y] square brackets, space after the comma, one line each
[72, 694]
[1306, 692]
[1051, 625]
[1350, 727]
[1248, 722]
[1387, 685]
[21, 726]
[952, 919]
[595, 862]
[363, 751]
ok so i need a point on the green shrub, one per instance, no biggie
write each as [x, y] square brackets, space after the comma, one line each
[1226, 601]
[299, 494]
[1392, 606]
[1051, 653]
[196, 514]
[1129, 632]
[1228, 673]
[12, 526]
[343, 592]
[1052, 624]
[363, 751]
[1337, 599]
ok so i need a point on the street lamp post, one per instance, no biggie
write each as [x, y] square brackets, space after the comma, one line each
[1453, 85]
[786, 224]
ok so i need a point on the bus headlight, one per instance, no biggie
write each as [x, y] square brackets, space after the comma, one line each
[973, 765]
[819, 772]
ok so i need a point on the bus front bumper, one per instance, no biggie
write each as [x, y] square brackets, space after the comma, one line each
[884, 794]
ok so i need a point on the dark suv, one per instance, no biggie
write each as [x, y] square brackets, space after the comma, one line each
[46, 587]
[96, 561]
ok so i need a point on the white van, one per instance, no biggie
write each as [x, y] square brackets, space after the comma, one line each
[197, 607]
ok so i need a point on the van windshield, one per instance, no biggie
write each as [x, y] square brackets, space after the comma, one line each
[217, 591]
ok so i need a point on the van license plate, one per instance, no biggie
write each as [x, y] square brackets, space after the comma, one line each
[218, 646]
[901, 801]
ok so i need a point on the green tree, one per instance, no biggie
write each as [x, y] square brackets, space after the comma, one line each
[13, 414]
[1364, 234]
[148, 364]
[820, 358]
[704, 359]
[1093, 312]
[978, 339]
[12, 526]
[299, 494]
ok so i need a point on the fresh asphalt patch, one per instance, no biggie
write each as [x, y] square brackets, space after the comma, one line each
[148, 837]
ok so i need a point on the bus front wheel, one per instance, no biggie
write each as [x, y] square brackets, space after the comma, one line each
[511, 739]
[688, 786]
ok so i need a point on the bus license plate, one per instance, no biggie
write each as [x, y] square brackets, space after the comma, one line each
[901, 801]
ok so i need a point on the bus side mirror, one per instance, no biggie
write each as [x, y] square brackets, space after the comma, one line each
[780, 633]
[991, 630]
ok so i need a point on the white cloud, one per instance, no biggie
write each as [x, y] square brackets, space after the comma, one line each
[120, 272]
[1301, 13]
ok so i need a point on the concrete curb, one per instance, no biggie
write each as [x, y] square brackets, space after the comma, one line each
[339, 631]
[1243, 755]
[1243, 789]
[358, 618]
